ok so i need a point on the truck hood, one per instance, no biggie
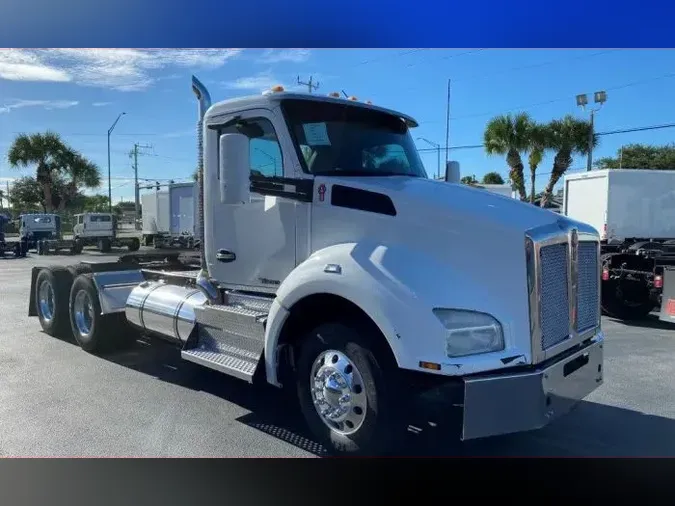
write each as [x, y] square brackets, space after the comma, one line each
[447, 205]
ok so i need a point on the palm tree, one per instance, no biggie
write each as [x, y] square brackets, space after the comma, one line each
[539, 140]
[568, 136]
[80, 172]
[41, 150]
[508, 135]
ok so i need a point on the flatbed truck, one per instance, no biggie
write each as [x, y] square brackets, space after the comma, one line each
[334, 268]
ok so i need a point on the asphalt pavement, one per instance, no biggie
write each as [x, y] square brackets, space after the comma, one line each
[57, 400]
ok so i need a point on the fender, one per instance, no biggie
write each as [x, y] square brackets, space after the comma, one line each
[398, 287]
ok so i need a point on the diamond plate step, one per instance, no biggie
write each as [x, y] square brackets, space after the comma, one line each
[228, 363]
[229, 339]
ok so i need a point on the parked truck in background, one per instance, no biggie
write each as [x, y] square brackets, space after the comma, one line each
[155, 215]
[100, 230]
[350, 278]
[170, 217]
[634, 212]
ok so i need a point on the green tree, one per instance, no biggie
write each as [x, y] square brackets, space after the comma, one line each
[640, 156]
[568, 136]
[493, 178]
[42, 151]
[61, 172]
[509, 135]
[470, 180]
[81, 173]
[539, 140]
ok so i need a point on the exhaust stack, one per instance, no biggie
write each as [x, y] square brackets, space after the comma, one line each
[203, 278]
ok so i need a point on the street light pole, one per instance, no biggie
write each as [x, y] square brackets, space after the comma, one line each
[599, 97]
[438, 152]
[110, 130]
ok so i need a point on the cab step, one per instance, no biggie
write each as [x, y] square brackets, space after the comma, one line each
[229, 339]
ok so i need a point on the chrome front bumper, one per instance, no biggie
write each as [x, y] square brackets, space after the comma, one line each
[507, 403]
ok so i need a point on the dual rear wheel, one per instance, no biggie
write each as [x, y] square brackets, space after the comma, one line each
[67, 304]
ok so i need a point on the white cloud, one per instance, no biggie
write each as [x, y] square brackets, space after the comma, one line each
[45, 104]
[120, 69]
[259, 82]
[20, 65]
[101, 104]
[284, 55]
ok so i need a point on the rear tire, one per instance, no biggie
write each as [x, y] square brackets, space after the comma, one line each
[617, 307]
[94, 332]
[104, 245]
[135, 244]
[339, 371]
[51, 300]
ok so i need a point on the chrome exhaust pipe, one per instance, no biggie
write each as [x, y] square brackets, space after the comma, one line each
[203, 278]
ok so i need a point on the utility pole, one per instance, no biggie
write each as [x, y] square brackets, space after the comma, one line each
[110, 131]
[310, 85]
[447, 127]
[137, 204]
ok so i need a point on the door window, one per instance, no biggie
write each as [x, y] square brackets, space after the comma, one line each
[265, 156]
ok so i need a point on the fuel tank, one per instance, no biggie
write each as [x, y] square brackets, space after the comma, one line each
[166, 310]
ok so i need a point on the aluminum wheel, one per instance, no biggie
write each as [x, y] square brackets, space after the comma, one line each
[46, 300]
[83, 313]
[338, 392]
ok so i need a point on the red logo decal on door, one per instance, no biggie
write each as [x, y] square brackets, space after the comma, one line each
[322, 192]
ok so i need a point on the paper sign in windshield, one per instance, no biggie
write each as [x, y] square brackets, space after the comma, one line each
[316, 134]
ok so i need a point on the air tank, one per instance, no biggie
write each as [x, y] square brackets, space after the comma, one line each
[166, 310]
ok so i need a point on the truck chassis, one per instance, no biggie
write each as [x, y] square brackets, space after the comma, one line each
[75, 246]
[632, 276]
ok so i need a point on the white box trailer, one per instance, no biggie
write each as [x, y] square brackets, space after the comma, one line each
[623, 204]
[155, 215]
[500, 189]
[183, 208]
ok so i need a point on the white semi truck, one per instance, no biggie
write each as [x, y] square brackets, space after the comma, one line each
[332, 266]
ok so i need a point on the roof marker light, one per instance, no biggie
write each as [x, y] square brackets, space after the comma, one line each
[353, 98]
[277, 88]
[334, 94]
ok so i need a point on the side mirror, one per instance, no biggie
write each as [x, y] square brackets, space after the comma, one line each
[452, 172]
[235, 182]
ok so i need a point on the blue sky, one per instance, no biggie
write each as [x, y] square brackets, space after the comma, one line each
[79, 93]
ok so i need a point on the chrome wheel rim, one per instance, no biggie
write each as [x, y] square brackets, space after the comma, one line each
[338, 392]
[46, 300]
[83, 312]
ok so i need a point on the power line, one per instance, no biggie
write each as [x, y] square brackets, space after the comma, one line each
[555, 100]
[535, 65]
[599, 134]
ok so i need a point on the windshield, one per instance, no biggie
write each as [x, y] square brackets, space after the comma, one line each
[344, 140]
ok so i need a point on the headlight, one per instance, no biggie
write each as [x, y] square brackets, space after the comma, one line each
[469, 332]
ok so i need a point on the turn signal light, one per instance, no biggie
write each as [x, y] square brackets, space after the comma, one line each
[658, 281]
[430, 365]
[605, 274]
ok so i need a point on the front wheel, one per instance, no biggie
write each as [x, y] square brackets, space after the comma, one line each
[344, 390]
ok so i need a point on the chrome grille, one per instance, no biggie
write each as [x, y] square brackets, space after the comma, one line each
[587, 287]
[554, 295]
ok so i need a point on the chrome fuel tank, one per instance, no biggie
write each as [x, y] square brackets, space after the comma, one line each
[163, 309]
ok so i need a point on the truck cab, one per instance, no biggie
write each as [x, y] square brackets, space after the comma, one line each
[93, 225]
[36, 227]
[332, 265]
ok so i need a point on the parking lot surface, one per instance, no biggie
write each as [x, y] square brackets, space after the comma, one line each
[57, 400]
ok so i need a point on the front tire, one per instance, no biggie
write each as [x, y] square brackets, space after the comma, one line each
[344, 390]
